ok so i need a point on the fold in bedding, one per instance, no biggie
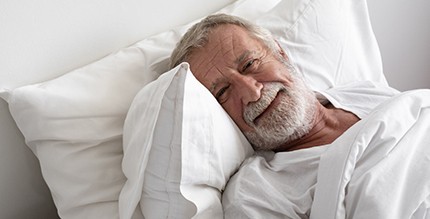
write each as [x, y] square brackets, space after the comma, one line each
[380, 168]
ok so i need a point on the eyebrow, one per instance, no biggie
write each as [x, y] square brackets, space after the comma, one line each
[215, 83]
[243, 56]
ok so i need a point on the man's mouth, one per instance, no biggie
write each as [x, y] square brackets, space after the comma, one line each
[269, 100]
[268, 108]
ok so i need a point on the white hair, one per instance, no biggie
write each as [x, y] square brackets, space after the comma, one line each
[197, 36]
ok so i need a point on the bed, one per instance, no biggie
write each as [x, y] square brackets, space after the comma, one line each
[77, 143]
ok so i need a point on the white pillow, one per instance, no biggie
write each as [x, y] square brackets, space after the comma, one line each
[73, 124]
[331, 42]
[180, 149]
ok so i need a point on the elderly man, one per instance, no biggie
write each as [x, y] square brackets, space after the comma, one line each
[252, 78]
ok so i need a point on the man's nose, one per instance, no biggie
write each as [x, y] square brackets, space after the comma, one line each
[249, 89]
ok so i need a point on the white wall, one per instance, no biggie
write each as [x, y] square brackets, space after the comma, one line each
[402, 28]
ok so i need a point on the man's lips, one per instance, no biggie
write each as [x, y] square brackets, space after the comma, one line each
[273, 103]
[269, 99]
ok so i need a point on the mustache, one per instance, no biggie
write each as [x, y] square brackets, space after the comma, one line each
[257, 108]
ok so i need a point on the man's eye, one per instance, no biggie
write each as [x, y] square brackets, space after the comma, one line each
[248, 64]
[221, 92]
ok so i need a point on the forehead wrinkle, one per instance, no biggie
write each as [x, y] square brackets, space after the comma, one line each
[209, 63]
[243, 54]
[214, 56]
[222, 49]
[226, 42]
[233, 47]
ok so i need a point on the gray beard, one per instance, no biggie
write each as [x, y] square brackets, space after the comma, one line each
[290, 120]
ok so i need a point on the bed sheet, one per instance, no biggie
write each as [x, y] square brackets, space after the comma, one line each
[379, 168]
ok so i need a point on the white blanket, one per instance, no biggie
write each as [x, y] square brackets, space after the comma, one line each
[384, 169]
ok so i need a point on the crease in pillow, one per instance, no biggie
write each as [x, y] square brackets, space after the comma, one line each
[138, 140]
[214, 144]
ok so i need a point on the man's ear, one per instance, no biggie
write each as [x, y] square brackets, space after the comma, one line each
[281, 51]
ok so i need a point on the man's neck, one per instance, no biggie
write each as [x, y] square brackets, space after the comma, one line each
[329, 123]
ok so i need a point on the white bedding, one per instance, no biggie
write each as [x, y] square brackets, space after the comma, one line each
[380, 167]
[376, 169]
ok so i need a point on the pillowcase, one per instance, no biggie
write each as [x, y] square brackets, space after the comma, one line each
[180, 149]
[74, 123]
[331, 42]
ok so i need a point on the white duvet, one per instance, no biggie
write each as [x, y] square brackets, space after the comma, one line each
[380, 168]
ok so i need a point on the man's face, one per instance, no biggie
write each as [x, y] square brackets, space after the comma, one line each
[269, 104]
